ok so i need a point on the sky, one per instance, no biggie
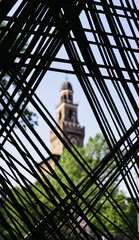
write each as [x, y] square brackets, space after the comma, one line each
[49, 92]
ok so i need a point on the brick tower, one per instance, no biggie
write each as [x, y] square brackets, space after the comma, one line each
[68, 121]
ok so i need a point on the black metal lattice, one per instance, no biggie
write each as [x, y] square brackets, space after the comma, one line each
[101, 41]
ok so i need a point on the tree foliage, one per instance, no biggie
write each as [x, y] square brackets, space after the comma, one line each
[93, 152]
[95, 149]
[30, 115]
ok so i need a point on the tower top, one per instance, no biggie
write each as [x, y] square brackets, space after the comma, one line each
[66, 86]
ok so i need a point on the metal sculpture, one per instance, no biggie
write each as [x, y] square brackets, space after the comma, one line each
[103, 55]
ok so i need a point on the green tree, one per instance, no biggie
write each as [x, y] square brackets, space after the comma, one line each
[30, 115]
[95, 149]
[105, 209]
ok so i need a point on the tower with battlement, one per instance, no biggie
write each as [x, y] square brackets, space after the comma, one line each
[67, 119]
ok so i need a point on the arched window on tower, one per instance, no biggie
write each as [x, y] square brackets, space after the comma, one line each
[59, 115]
[64, 97]
[70, 114]
[69, 98]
